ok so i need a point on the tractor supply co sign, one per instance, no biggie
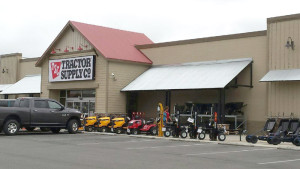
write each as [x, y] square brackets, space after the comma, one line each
[80, 68]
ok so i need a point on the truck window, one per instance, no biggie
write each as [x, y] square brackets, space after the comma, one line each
[24, 103]
[3, 104]
[41, 104]
[54, 105]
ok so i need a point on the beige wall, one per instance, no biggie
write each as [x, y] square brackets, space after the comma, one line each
[125, 73]
[10, 63]
[27, 67]
[284, 97]
[254, 47]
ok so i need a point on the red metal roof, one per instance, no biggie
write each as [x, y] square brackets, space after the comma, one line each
[114, 43]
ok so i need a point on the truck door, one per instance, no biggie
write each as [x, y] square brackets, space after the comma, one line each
[41, 115]
[59, 113]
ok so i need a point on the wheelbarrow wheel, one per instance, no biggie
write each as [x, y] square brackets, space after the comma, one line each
[276, 140]
[221, 137]
[269, 140]
[167, 133]
[249, 138]
[201, 135]
[183, 134]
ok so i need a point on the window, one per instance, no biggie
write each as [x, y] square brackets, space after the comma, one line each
[24, 103]
[54, 105]
[41, 104]
[88, 93]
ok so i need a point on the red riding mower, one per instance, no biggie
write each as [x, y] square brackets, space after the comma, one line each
[138, 125]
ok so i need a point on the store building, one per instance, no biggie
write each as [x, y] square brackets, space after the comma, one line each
[104, 70]
[18, 76]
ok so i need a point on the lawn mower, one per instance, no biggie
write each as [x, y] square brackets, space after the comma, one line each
[138, 125]
[103, 124]
[119, 124]
[268, 128]
[283, 135]
[175, 128]
[90, 123]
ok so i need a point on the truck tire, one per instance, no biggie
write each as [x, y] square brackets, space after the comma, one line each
[11, 127]
[72, 126]
[55, 130]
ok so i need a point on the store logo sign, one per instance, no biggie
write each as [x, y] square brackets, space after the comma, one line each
[80, 68]
[55, 69]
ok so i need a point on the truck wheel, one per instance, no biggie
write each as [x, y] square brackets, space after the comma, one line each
[183, 134]
[11, 127]
[167, 133]
[29, 128]
[55, 130]
[73, 126]
[221, 137]
[153, 131]
[201, 136]
[45, 129]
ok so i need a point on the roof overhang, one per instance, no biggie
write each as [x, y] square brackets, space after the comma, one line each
[196, 75]
[28, 85]
[282, 75]
[4, 86]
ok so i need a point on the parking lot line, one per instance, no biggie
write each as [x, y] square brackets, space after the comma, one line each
[141, 148]
[131, 141]
[275, 162]
[226, 152]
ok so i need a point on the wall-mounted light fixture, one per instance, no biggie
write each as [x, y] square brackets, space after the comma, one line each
[290, 43]
[113, 76]
[54, 51]
[4, 70]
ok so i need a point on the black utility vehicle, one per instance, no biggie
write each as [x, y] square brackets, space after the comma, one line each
[32, 112]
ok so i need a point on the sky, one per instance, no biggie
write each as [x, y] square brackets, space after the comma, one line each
[30, 26]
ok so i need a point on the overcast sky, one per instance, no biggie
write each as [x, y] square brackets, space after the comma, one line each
[29, 26]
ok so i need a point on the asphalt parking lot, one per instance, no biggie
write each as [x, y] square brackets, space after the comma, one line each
[88, 151]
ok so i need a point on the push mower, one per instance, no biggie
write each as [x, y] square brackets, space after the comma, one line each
[268, 128]
[175, 128]
[283, 135]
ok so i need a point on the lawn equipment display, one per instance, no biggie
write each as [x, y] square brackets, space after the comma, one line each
[90, 123]
[103, 124]
[283, 135]
[119, 124]
[175, 128]
[138, 125]
[282, 128]
[268, 128]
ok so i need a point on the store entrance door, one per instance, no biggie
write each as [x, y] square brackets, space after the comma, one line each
[85, 105]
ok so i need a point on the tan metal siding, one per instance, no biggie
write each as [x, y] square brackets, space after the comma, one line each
[284, 97]
[11, 65]
[28, 68]
[124, 74]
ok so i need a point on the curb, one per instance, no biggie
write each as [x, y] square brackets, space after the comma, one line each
[283, 147]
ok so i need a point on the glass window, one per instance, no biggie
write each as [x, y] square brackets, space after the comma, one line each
[74, 93]
[24, 103]
[41, 104]
[3, 104]
[62, 101]
[63, 93]
[88, 93]
[54, 105]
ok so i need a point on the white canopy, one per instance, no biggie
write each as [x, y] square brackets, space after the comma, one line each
[4, 86]
[28, 85]
[281, 75]
[196, 75]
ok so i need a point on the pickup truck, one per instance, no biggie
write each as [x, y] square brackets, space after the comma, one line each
[30, 112]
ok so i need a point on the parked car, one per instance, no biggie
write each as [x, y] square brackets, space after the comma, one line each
[32, 112]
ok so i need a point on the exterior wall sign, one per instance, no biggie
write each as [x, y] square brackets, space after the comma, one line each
[80, 68]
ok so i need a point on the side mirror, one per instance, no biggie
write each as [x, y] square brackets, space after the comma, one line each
[62, 108]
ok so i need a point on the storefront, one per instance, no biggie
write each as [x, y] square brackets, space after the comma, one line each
[113, 80]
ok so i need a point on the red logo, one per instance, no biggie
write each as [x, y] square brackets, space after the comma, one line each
[55, 69]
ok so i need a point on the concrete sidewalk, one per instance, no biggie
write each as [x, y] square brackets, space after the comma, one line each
[230, 140]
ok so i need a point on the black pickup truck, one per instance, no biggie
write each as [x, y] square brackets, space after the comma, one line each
[32, 112]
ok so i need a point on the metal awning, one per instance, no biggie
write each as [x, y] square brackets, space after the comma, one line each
[28, 85]
[4, 86]
[281, 75]
[196, 75]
